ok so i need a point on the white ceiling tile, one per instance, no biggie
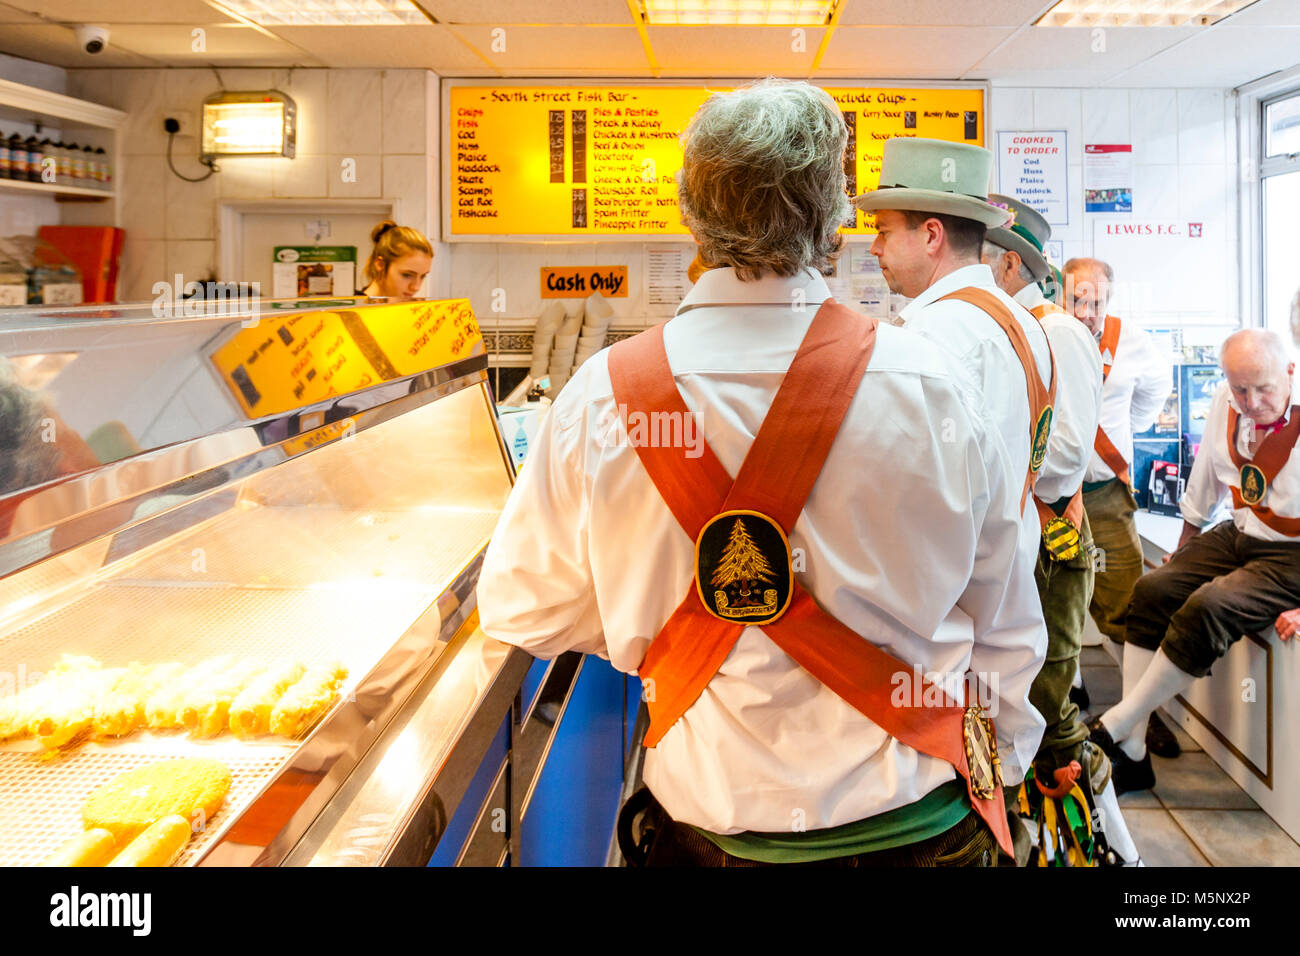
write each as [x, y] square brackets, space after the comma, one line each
[50, 43]
[222, 45]
[989, 13]
[558, 50]
[418, 46]
[1222, 58]
[1077, 56]
[499, 12]
[195, 12]
[11, 14]
[734, 51]
[910, 52]
[1268, 13]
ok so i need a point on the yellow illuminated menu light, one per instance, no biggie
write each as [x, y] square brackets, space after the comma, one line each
[805, 13]
[260, 123]
[1139, 13]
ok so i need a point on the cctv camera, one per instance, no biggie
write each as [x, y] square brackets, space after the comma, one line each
[93, 39]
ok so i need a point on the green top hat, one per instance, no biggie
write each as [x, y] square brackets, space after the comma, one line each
[935, 176]
[1025, 234]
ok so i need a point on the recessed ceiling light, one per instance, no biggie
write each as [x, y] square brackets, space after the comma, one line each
[801, 13]
[1139, 13]
[326, 13]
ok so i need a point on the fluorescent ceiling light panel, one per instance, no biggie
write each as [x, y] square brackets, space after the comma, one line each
[1139, 13]
[802, 13]
[326, 13]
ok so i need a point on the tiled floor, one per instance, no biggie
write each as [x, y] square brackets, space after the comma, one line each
[1196, 815]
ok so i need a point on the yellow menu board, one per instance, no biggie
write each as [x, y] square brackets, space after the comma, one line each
[282, 363]
[602, 160]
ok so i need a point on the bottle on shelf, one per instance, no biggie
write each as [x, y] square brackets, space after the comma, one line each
[105, 170]
[4, 157]
[77, 161]
[17, 157]
[91, 177]
[65, 164]
[34, 157]
[47, 161]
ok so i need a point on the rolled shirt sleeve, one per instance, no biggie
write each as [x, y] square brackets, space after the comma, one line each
[1078, 405]
[535, 589]
[1153, 384]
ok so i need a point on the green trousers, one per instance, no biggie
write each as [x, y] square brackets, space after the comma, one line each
[1110, 512]
[1064, 588]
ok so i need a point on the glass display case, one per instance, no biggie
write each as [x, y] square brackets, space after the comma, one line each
[191, 504]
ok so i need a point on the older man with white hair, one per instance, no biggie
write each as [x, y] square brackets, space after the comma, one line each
[1239, 576]
[782, 595]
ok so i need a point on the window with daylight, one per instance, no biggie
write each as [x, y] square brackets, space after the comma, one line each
[1279, 171]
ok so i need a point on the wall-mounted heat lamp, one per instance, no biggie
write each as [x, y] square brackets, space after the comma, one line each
[250, 123]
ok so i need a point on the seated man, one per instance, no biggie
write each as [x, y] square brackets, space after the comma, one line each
[1237, 577]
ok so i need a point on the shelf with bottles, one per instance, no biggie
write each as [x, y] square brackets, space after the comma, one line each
[56, 190]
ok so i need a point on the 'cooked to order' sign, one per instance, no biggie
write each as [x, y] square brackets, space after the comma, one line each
[602, 161]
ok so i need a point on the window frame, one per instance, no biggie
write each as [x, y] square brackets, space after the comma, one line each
[1253, 168]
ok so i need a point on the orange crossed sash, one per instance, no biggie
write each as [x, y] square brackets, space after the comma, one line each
[1102, 444]
[1041, 399]
[1271, 455]
[1074, 509]
[775, 479]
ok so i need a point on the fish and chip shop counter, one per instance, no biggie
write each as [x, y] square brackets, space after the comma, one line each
[304, 491]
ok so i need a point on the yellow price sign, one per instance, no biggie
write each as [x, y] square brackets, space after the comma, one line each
[286, 363]
[603, 160]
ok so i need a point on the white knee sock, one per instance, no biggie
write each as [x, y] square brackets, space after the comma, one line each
[1078, 675]
[1127, 720]
[1136, 660]
[1113, 825]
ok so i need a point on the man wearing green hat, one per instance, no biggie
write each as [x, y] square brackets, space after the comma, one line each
[931, 212]
[1064, 573]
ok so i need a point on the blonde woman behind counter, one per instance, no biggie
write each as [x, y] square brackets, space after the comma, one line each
[399, 262]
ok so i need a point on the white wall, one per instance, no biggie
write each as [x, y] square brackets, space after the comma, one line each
[379, 118]
[1184, 156]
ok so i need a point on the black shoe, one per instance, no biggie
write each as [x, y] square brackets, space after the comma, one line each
[1128, 774]
[1100, 736]
[1079, 697]
[1160, 739]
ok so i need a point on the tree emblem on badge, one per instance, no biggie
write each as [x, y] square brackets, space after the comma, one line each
[743, 571]
[1253, 484]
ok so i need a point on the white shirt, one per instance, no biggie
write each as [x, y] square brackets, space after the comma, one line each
[1078, 399]
[1213, 474]
[984, 351]
[911, 518]
[1140, 380]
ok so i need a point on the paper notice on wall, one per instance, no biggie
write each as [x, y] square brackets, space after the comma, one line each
[1108, 177]
[868, 292]
[666, 281]
[1032, 167]
[300, 271]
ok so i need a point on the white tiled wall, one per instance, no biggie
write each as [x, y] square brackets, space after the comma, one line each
[382, 120]
[1183, 153]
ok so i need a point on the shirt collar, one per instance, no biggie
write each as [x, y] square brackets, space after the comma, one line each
[723, 287]
[1272, 426]
[1030, 296]
[979, 275]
